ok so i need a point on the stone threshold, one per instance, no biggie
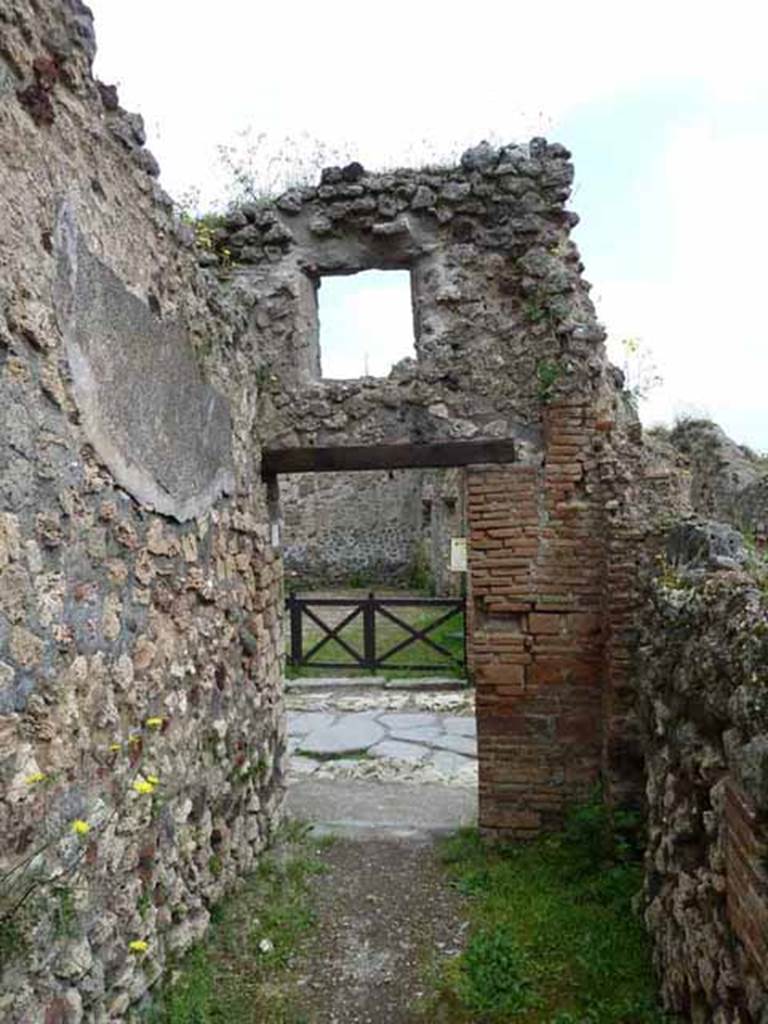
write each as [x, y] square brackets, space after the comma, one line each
[422, 683]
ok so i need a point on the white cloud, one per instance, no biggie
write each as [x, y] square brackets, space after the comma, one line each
[387, 76]
[706, 323]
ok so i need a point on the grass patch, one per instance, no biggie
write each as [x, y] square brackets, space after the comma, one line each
[12, 941]
[553, 935]
[241, 973]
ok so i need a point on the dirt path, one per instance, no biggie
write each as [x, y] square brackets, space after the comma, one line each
[384, 915]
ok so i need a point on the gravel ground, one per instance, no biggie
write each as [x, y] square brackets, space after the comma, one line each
[385, 915]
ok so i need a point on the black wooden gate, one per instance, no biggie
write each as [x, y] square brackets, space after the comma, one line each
[361, 642]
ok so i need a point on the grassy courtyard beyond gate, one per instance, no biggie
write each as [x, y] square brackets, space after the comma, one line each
[419, 656]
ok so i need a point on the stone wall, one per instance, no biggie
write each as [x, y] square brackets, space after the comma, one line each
[502, 316]
[140, 612]
[703, 705]
[389, 528]
[348, 528]
[728, 481]
[444, 516]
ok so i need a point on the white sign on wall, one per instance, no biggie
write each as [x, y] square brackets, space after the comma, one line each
[458, 554]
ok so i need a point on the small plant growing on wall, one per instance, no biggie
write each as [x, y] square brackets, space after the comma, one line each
[641, 374]
[46, 878]
[548, 373]
[205, 228]
[535, 311]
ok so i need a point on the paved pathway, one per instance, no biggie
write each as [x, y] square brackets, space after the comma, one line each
[382, 759]
[378, 735]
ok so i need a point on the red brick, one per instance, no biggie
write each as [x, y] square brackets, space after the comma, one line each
[542, 622]
[505, 674]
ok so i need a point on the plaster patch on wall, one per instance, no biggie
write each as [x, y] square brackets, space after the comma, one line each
[162, 431]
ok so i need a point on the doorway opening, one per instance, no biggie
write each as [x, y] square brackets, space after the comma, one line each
[368, 573]
[382, 720]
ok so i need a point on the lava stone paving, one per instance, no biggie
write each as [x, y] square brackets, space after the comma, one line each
[443, 743]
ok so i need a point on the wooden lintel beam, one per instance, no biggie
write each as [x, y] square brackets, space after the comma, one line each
[352, 458]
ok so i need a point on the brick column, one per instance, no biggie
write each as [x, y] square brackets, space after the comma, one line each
[746, 877]
[535, 629]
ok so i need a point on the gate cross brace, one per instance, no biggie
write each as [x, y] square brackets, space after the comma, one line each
[332, 633]
[418, 634]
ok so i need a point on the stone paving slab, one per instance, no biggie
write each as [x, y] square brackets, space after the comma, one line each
[463, 726]
[406, 720]
[310, 721]
[349, 733]
[446, 762]
[396, 751]
[425, 734]
[466, 745]
[366, 738]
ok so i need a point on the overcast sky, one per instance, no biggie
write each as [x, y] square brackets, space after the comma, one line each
[664, 105]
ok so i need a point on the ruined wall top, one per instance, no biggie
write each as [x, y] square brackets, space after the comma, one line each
[497, 198]
[728, 481]
[502, 318]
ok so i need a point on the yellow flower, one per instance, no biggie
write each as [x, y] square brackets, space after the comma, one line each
[154, 723]
[153, 780]
[138, 946]
[80, 827]
[134, 739]
[144, 786]
[34, 778]
[115, 747]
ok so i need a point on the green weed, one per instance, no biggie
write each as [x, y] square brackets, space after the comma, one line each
[12, 940]
[548, 372]
[535, 311]
[65, 913]
[495, 973]
[553, 935]
[236, 975]
[420, 576]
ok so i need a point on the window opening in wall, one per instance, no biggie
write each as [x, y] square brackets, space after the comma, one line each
[366, 323]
